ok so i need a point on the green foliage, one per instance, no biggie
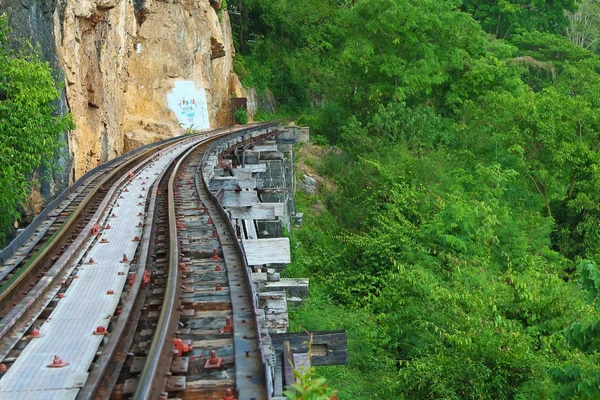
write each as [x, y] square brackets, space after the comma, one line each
[309, 386]
[28, 124]
[503, 17]
[466, 184]
[241, 116]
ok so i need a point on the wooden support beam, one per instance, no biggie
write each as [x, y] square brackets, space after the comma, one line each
[274, 305]
[242, 173]
[247, 183]
[257, 167]
[265, 147]
[239, 199]
[260, 211]
[250, 229]
[267, 251]
[329, 347]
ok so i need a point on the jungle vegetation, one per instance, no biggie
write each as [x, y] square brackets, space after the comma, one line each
[30, 128]
[459, 243]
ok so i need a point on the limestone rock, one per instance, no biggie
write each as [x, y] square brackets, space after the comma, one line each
[308, 185]
[139, 138]
[121, 59]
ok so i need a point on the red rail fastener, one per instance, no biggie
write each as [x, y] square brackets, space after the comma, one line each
[110, 292]
[183, 267]
[3, 368]
[113, 215]
[126, 190]
[140, 204]
[136, 239]
[146, 277]
[140, 214]
[218, 288]
[95, 229]
[141, 196]
[228, 327]
[213, 361]
[228, 395]
[140, 224]
[181, 347]
[131, 279]
[215, 256]
[131, 175]
[35, 332]
[104, 240]
[124, 259]
[100, 330]
[214, 234]
[91, 261]
[217, 268]
[121, 273]
[143, 188]
[107, 226]
[209, 221]
[144, 182]
[57, 362]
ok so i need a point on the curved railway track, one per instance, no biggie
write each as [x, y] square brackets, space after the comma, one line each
[186, 291]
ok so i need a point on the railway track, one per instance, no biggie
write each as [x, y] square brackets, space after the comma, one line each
[187, 290]
[33, 285]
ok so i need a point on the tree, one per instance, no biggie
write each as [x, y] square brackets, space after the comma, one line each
[504, 17]
[29, 125]
[404, 50]
[583, 24]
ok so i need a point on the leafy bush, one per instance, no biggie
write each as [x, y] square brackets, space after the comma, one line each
[241, 116]
[29, 126]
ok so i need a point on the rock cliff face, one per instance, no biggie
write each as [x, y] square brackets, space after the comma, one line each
[122, 57]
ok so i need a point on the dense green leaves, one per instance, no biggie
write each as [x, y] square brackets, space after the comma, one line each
[29, 126]
[467, 190]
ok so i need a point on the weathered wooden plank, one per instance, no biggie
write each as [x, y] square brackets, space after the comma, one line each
[242, 173]
[265, 147]
[293, 287]
[288, 364]
[239, 199]
[271, 156]
[227, 183]
[279, 208]
[250, 229]
[257, 167]
[247, 183]
[302, 361]
[274, 305]
[260, 211]
[329, 347]
[267, 251]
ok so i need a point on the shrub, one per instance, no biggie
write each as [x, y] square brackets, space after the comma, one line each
[241, 116]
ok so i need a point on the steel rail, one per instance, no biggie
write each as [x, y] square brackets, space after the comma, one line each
[120, 338]
[22, 237]
[148, 386]
[242, 254]
[24, 270]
